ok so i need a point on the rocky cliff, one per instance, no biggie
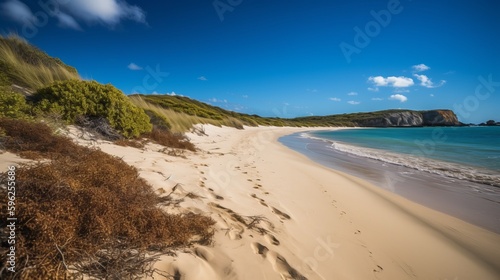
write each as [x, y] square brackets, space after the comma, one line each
[412, 118]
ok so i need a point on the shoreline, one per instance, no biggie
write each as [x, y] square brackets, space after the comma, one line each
[475, 203]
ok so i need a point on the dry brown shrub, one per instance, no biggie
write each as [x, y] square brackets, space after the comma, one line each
[129, 143]
[86, 212]
[170, 139]
[23, 136]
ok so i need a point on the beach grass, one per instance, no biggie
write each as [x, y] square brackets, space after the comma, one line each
[27, 66]
[179, 122]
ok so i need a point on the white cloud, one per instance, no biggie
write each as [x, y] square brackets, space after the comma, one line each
[420, 67]
[377, 99]
[106, 12]
[424, 80]
[202, 78]
[353, 102]
[427, 82]
[375, 89]
[352, 93]
[17, 11]
[391, 81]
[335, 99]
[399, 97]
[134, 67]
[431, 95]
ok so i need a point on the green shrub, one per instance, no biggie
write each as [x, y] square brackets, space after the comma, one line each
[13, 105]
[75, 98]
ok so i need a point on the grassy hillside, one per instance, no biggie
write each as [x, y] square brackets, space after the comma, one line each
[182, 112]
[27, 66]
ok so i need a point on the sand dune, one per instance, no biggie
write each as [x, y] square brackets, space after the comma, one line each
[281, 216]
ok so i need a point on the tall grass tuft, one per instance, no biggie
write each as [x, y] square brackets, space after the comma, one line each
[27, 66]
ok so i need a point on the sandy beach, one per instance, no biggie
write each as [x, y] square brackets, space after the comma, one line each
[282, 216]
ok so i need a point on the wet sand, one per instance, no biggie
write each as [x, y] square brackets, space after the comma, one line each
[475, 203]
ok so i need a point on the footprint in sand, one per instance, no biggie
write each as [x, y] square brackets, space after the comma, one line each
[282, 215]
[261, 201]
[278, 262]
[235, 232]
[203, 253]
[271, 239]
[216, 196]
[257, 186]
[259, 249]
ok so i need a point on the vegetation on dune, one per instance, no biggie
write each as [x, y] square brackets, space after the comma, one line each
[178, 121]
[13, 105]
[77, 217]
[183, 112]
[75, 98]
[25, 65]
[81, 211]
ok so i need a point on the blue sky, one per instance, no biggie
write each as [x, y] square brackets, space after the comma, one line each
[283, 58]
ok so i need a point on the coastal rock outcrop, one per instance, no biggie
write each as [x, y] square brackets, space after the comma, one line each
[440, 118]
[412, 119]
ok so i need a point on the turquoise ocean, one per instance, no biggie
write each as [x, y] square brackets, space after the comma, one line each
[468, 153]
